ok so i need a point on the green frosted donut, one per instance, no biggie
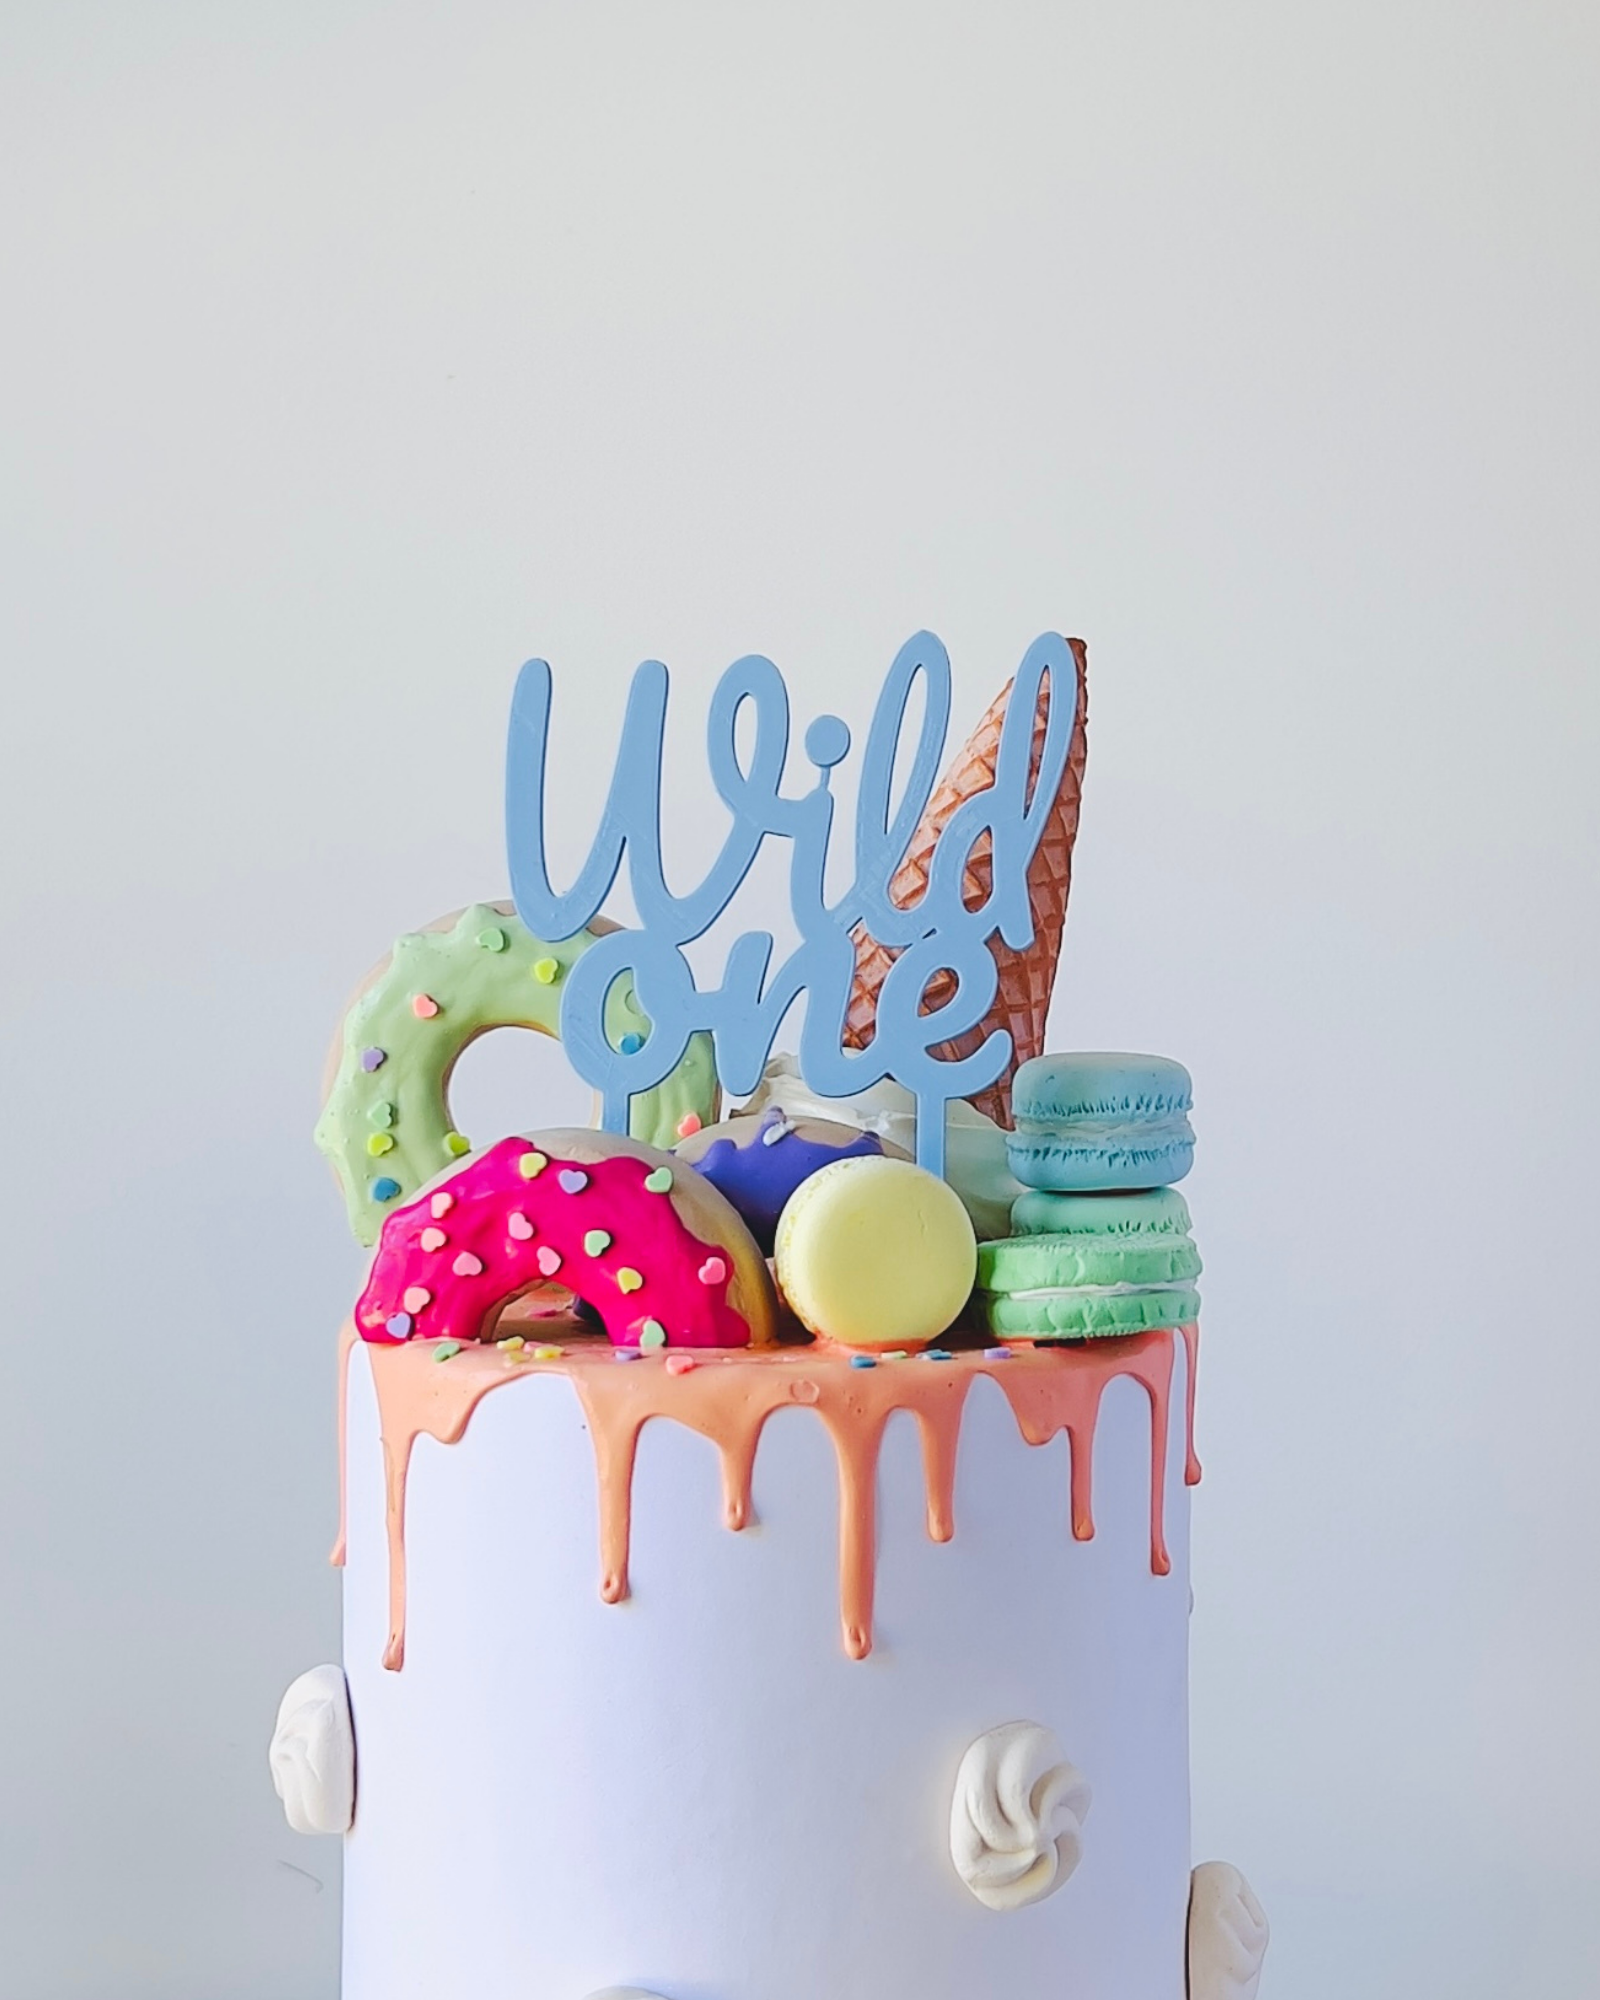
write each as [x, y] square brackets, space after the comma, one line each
[386, 1122]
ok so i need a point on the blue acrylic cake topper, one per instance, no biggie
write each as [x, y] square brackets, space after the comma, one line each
[936, 934]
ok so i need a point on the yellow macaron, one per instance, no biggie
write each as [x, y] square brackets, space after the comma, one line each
[877, 1253]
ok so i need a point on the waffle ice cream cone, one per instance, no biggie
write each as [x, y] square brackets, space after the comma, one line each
[1026, 977]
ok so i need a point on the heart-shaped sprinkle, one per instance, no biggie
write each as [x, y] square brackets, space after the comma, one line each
[573, 1180]
[652, 1334]
[380, 1143]
[689, 1124]
[415, 1297]
[712, 1271]
[456, 1146]
[625, 1354]
[381, 1115]
[628, 1279]
[492, 939]
[441, 1204]
[658, 1181]
[532, 1165]
[372, 1059]
[447, 1350]
[466, 1265]
[518, 1225]
[424, 1006]
[399, 1325]
[547, 970]
[433, 1239]
[546, 1353]
[385, 1188]
[548, 1260]
[680, 1364]
[596, 1242]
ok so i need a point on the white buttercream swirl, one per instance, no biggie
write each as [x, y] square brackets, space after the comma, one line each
[1228, 1935]
[1016, 1820]
[313, 1754]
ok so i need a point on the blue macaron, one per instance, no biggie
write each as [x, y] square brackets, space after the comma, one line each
[1097, 1123]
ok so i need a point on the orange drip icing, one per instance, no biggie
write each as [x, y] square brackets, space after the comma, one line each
[1191, 1342]
[728, 1396]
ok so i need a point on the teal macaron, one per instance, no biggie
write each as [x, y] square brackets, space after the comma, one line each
[1099, 1123]
[1087, 1266]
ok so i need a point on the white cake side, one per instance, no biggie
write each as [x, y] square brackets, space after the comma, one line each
[696, 1792]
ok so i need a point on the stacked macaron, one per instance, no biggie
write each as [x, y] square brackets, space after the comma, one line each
[1101, 1242]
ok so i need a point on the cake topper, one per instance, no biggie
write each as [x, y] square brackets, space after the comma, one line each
[940, 939]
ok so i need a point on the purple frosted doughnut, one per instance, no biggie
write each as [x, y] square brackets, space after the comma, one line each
[757, 1163]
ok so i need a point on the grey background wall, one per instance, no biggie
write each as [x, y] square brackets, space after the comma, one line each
[354, 352]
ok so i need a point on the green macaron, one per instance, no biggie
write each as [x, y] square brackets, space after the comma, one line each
[1083, 1266]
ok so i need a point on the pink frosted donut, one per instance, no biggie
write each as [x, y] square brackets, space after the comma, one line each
[659, 1254]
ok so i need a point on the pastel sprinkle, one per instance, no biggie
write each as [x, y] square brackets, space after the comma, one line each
[399, 1324]
[466, 1265]
[712, 1271]
[688, 1124]
[998, 1354]
[372, 1059]
[596, 1242]
[513, 1343]
[380, 1143]
[518, 1225]
[548, 1260]
[455, 1145]
[938, 1354]
[432, 1239]
[631, 1044]
[385, 1188]
[894, 1354]
[532, 1165]
[681, 1364]
[658, 1181]
[424, 1006]
[547, 1354]
[492, 939]
[863, 1361]
[381, 1114]
[652, 1334]
[446, 1350]
[415, 1297]
[441, 1204]
[573, 1180]
[625, 1354]
[547, 970]
[780, 1128]
[628, 1279]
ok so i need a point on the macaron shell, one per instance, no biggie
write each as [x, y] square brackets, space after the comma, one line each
[1098, 1318]
[1040, 1263]
[1129, 1157]
[1155, 1212]
[876, 1253]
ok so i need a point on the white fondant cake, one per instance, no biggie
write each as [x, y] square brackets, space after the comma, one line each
[697, 1790]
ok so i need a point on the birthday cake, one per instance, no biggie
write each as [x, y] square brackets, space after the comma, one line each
[765, 1515]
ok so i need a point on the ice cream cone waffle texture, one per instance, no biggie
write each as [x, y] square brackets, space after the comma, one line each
[1026, 977]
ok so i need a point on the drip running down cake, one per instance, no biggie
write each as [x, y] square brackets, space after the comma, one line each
[765, 1515]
